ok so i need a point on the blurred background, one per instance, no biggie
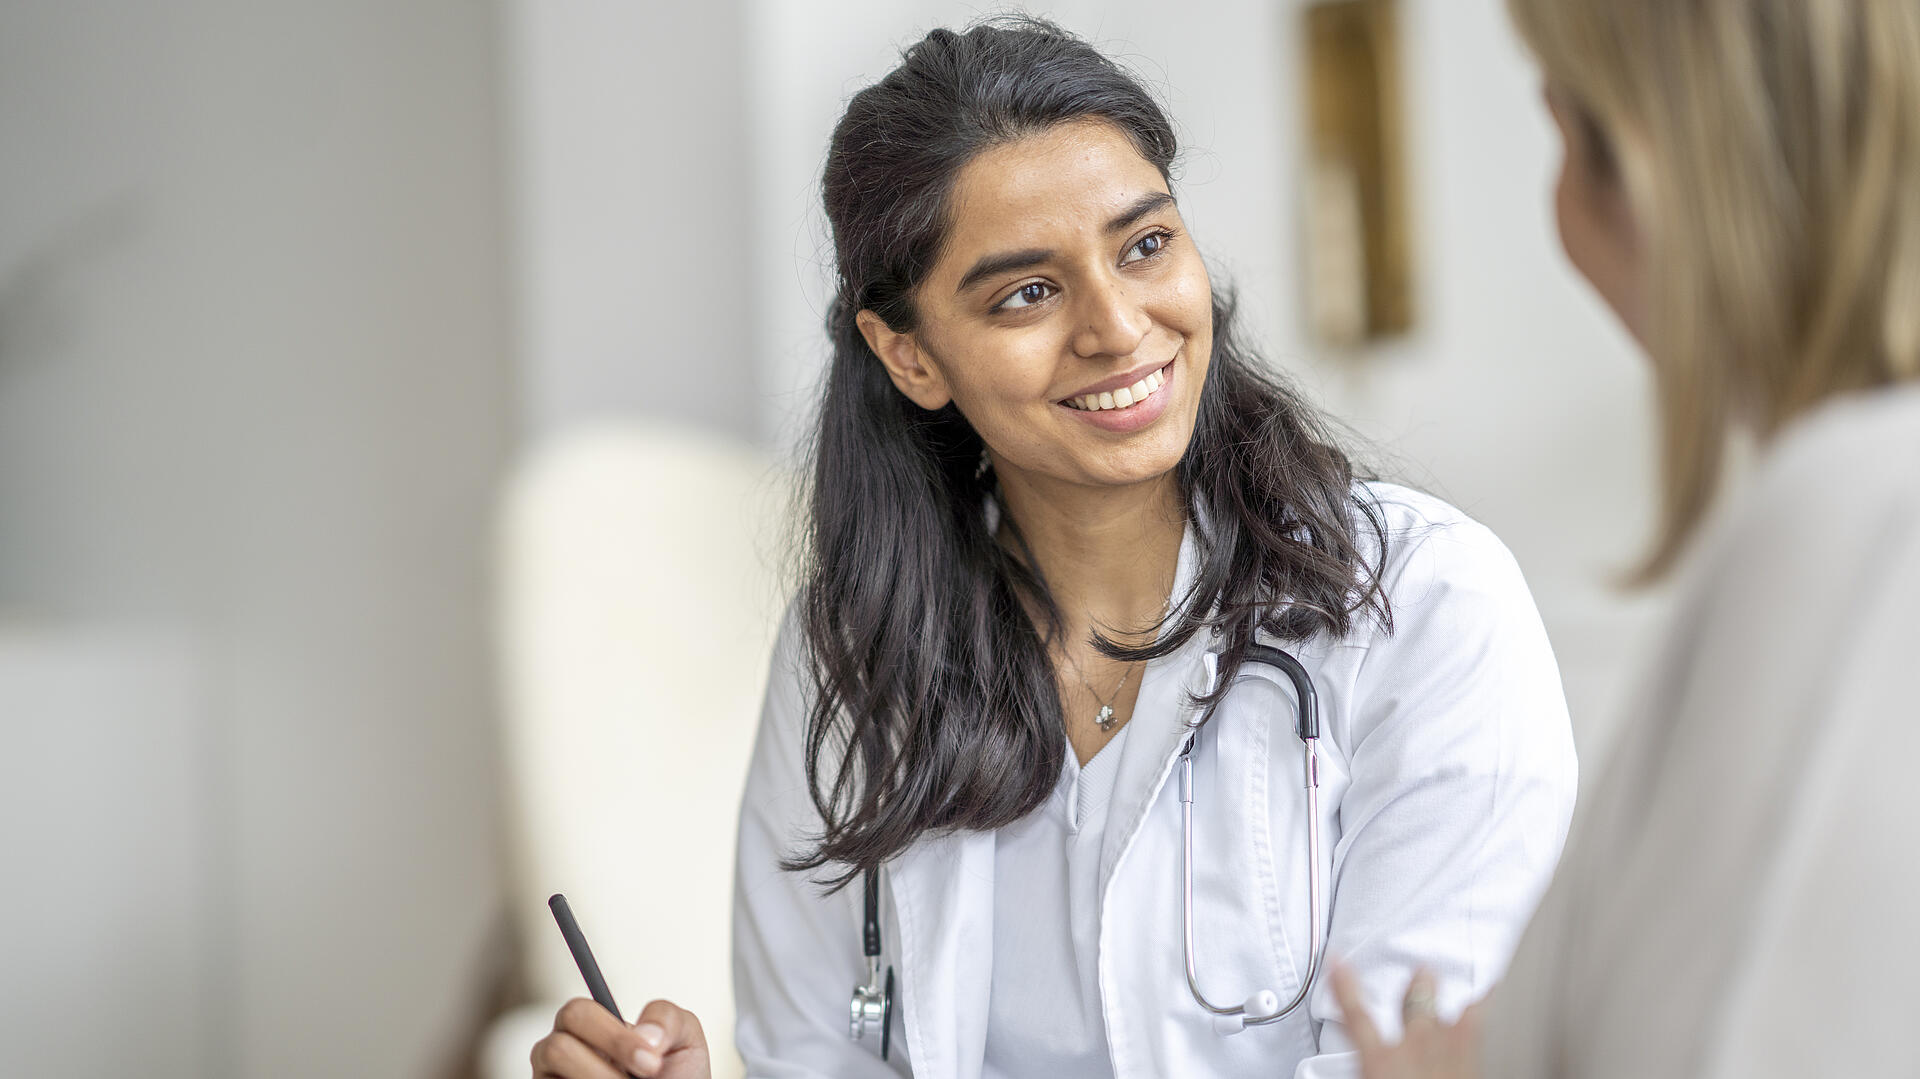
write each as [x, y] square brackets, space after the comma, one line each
[396, 405]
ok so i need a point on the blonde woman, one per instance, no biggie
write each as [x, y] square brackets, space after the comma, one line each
[1739, 897]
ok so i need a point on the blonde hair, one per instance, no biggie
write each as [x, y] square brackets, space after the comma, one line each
[1771, 152]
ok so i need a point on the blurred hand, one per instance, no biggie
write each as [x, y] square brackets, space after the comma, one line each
[590, 1042]
[1428, 1048]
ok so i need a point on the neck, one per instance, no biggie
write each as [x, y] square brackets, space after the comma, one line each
[1108, 554]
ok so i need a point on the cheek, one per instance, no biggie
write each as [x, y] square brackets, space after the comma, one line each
[1197, 294]
[1184, 304]
[998, 384]
[1197, 318]
[1599, 247]
[1578, 235]
[1563, 214]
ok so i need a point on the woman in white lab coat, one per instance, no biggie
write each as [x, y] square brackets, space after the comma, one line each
[1742, 186]
[1054, 503]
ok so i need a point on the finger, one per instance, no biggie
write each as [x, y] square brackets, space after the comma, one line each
[1353, 1009]
[562, 1056]
[605, 1033]
[1466, 1037]
[665, 1029]
[1419, 1008]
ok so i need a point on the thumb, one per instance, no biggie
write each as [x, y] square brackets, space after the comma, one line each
[666, 1030]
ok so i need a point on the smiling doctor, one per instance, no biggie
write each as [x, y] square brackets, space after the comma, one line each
[1031, 772]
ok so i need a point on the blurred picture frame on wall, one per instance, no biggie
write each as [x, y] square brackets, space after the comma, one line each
[1359, 250]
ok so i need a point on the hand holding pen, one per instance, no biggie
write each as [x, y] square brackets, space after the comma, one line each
[591, 1041]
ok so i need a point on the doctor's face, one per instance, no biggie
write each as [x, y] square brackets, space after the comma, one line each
[1069, 317]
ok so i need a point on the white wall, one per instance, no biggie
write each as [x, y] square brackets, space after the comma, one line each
[1516, 397]
[254, 397]
[631, 212]
[113, 861]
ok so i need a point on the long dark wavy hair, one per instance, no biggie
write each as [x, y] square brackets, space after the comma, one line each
[935, 707]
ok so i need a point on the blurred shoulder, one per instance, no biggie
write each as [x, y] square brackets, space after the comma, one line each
[1832, 510]
[1855, 456]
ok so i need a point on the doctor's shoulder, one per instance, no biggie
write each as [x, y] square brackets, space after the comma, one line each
[1436, 553]
[1463, 638]
[794, 748]
[776, 781]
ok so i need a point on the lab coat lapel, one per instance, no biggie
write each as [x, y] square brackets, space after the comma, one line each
[943, 901]
[1159, 723]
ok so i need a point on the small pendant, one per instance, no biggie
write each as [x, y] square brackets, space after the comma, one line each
[1105, 719]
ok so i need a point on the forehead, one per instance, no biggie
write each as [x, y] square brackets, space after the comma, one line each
[1046, 190]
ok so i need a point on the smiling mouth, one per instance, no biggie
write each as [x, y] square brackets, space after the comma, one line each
[1125, 397]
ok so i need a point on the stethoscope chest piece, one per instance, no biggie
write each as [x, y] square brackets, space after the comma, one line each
[873, 1002]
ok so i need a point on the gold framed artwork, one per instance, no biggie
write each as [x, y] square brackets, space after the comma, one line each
[1359, 246]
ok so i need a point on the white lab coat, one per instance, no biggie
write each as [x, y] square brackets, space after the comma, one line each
[1740, 894]
[1447, 781]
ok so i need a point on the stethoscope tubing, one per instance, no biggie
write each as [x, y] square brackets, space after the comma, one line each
[1257, 1011]
[1316, 947]
[872, 1003]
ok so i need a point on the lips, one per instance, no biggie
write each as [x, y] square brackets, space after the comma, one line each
[1116, 394]
[1119, 381]
[1118, 412]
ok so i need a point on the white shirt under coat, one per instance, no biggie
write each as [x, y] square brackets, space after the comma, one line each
[1447, 780]
[1043, 1012]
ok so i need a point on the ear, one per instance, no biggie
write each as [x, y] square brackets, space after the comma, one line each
[1592, 163]
[913, 371]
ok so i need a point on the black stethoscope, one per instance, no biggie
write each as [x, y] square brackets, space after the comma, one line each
[873, 1002]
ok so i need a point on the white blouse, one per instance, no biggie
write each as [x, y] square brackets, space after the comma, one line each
[1043, 1011]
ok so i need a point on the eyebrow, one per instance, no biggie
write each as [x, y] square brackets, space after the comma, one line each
[1006, 262]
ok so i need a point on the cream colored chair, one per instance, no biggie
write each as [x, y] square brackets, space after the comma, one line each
[637, 603]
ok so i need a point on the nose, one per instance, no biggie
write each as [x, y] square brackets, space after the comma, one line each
[1110, 323]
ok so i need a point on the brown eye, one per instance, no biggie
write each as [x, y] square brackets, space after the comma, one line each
[1025, 296]
[1148, 246]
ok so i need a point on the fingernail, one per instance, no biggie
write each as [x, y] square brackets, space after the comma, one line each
[651, 1033]
[644, 1060]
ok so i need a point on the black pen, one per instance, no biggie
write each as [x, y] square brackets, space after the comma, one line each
[582, 955]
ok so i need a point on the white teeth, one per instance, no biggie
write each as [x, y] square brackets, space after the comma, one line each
[1121, 398]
